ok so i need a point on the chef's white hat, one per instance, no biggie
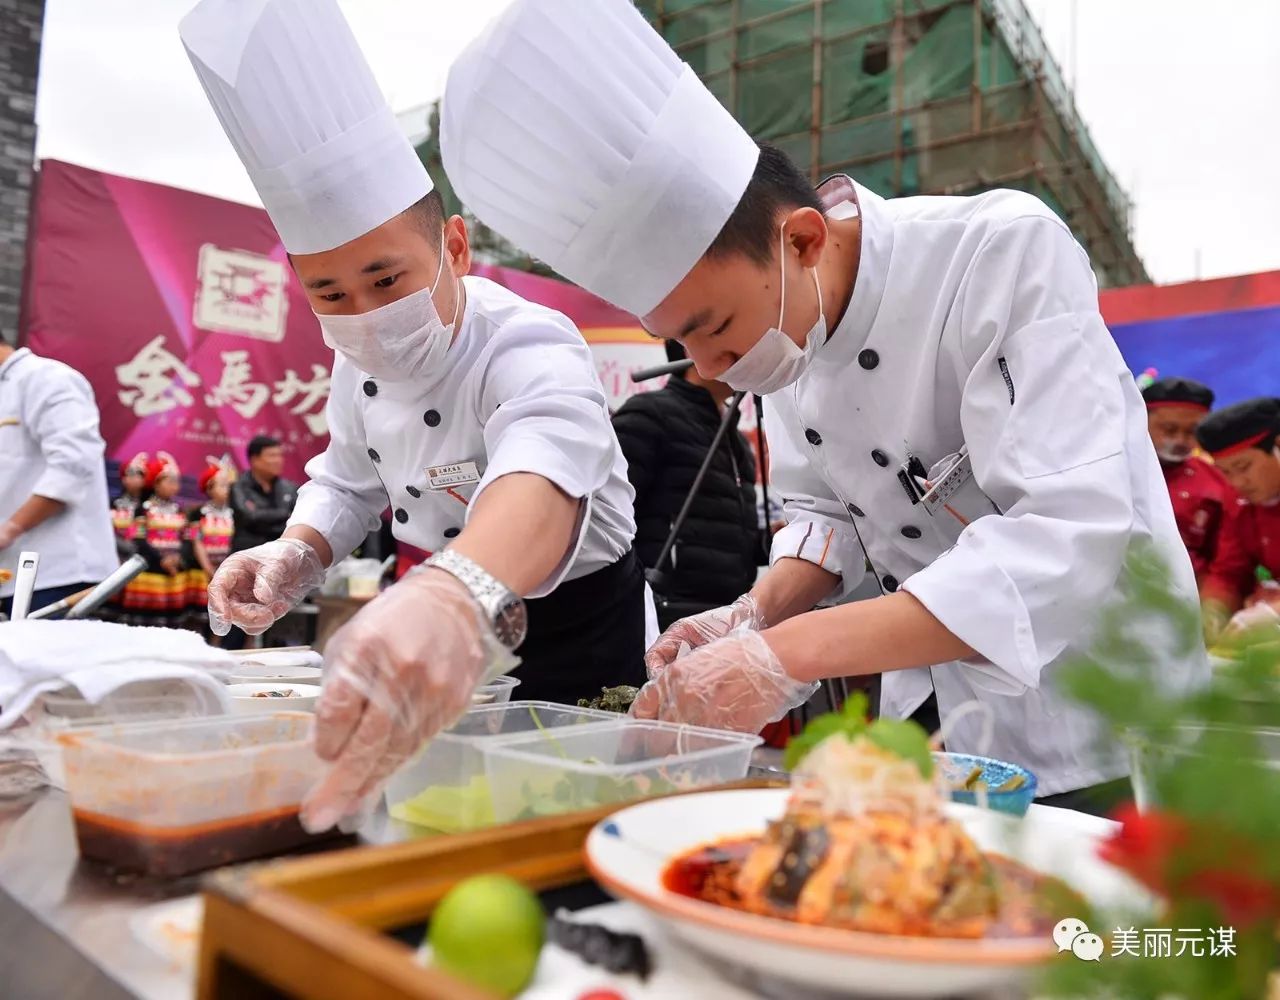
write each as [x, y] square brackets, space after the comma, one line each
[301, 106]
[571, 128]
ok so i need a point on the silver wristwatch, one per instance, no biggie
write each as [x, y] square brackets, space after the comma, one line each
[503, 606]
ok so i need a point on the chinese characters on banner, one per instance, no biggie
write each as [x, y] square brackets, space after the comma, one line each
[183, 313]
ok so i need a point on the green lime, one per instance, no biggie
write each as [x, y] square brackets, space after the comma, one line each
[488, 930]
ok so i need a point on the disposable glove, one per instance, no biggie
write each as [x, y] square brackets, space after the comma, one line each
[698, 630]
[404, 668]
[735, 682]
[256, 587]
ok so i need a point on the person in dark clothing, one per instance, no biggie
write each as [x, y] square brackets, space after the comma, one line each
[665, 436]
[261, 504]
[263, 500]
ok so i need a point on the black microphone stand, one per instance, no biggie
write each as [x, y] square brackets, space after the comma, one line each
[656, 576]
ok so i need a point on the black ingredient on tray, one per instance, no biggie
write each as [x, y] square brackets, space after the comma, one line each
[612, 699]
[614, 951]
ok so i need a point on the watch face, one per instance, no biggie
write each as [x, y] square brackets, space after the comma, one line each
[511, 623]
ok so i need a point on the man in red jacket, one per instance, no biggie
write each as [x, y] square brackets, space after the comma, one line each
[1205, 505]
[1243, 442]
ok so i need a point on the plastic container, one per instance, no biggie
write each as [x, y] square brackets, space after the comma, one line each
[169, 798]
[496, 692]
[1154, 757]
[614, 763]
[445, 789]
[147, 701]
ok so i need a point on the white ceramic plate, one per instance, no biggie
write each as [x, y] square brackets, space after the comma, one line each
[243, 701]
[629, 863]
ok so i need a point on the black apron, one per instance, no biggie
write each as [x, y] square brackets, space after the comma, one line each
[586, 634]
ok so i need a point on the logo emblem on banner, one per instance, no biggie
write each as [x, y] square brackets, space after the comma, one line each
[241, 293]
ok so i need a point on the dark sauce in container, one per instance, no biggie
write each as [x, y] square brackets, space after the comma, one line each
[172, 851]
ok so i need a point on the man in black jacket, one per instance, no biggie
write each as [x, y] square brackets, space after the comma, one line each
[665, 435]
[263, 500]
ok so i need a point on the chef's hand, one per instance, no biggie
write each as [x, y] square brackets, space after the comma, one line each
[736, 683]
[401, 670]
[698, 630]
[9, 533]
[254, 588]
[1215, 617]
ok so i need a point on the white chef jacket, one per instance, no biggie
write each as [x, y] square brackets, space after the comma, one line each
[974, 321]
[517, 392]
[50, 446]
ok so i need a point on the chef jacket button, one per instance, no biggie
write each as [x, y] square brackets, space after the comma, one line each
[402, 515]
[855, 510]
[414, 492]
[880, 458]
[452, 532]
[890, 583]
[869, 359]
[432, 418]
[812, 436]
[374, 455]
[911, 531]
[370, 387]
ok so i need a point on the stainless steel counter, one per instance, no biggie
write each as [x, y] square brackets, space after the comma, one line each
[65, 924]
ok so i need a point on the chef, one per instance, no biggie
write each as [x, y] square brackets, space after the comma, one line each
[1205, 506]
[53, 480]
[944, 401]
[476, 415]
[1244, 441]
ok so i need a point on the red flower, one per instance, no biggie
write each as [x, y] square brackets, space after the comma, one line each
[1179, 859]
[1145, 845]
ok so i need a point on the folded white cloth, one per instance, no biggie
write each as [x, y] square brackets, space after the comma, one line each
[97, 658]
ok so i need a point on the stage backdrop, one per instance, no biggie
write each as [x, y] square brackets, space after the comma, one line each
[185, 316]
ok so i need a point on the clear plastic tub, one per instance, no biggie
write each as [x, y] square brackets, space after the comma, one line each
[168, 798]
[444, 789]
[629, 759]
[497, 692]
[148, 701]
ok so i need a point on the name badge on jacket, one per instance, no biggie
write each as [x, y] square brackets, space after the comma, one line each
[953, 491]
[444, 477]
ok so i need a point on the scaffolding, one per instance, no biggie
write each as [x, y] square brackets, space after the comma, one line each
[907, 96]
[910, 97]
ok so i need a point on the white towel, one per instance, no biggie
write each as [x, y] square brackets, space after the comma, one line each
[96, 658]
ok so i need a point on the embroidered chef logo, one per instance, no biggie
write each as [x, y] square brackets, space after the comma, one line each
[1073, 935]
[241, 293]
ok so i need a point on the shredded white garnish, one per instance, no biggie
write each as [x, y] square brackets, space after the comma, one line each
[843, 777]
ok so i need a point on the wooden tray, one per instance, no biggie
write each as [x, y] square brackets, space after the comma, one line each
[322, 927]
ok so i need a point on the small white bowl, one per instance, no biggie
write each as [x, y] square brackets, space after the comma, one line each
[252, 673]
[246, 698]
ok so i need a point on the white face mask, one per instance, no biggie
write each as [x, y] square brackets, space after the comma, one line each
[1174, 453]
[400, 341]
[775, 361]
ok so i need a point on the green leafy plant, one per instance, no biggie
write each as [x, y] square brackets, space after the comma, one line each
[1207, 842]
[902, 737]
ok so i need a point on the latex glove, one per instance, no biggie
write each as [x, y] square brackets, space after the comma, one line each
[1258, 615]
[698, 630]
[256, 587]
[9, 533]
[735, 682]
[401, 670]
